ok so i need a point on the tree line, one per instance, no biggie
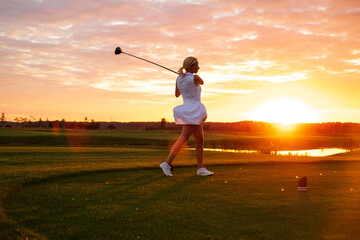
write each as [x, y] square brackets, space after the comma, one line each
[329, 128]
[31, 122]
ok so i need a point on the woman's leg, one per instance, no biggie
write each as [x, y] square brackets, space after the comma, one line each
[184, 137]
[199, 139]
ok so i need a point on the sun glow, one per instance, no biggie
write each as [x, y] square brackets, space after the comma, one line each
[284, 110]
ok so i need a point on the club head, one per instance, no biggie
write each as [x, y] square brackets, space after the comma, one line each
[118, 51]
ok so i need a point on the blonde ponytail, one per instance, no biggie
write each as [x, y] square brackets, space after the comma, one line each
[181, 71]
[188, 62]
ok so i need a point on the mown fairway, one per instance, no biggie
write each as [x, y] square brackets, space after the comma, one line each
[67, 192]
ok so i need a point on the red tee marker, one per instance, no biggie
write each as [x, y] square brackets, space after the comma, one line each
[302, 184]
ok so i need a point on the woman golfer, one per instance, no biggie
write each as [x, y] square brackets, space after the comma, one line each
[190, 114]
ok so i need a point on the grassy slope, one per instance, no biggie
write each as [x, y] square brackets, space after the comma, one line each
[251, 197]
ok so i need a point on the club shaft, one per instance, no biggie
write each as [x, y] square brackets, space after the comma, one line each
[150, 62]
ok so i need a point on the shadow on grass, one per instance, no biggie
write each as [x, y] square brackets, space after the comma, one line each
[171, 189]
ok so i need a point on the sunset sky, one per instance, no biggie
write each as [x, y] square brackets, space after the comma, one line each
[279, 61]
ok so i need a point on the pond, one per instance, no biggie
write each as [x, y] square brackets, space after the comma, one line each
[321, 152]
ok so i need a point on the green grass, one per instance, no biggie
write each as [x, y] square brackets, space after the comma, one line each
[119, 192]
[143, 138]
[238, 202]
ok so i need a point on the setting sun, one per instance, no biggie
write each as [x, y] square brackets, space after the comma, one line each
[284, 110]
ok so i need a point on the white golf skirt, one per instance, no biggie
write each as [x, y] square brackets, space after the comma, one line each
[190, 112]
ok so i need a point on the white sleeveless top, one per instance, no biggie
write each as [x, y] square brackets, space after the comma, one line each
[192, 111]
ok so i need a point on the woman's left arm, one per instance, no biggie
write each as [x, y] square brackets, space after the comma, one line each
[198, 80]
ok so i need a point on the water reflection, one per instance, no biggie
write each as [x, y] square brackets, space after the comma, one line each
[228, 150]
[313, 152]
[323, 152]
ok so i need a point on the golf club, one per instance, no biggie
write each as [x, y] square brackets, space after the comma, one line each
[119, 51]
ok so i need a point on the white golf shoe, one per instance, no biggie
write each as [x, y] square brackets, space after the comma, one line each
[204, 172]
[166, 169]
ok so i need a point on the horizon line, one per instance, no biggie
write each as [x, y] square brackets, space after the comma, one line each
[134, 121]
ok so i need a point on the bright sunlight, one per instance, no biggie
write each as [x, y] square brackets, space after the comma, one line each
[284, 110]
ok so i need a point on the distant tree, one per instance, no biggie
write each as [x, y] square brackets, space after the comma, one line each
[18, 121]
[41, 123]
[111, 126]
[62, 124]
[48, 123]
[3, 118]
[93, 126]
[23, 120]
[31, 120]
[162, 123]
